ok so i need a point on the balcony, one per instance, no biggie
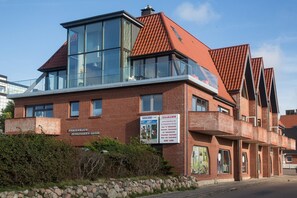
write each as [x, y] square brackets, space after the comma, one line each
[126, 76]
[291, 144]
[285, 142]
[38, 125]
[244, 130]
[260, 135]
[212, 123]
[273, 138]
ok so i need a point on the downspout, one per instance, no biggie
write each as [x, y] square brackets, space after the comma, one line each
[187, 132]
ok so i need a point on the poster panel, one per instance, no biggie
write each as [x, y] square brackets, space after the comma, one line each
[149, 129]
[169, 128]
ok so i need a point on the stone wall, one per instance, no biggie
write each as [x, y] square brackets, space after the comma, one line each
[109, 189]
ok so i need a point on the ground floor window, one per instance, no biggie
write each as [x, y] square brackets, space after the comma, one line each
[44, 110]
[224, 161]
[200, 160]
[244, 165]
[288, 158]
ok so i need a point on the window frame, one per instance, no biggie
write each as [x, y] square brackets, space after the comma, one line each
[222, 166]
[287, 158]
[223, 110]
[71, 109]
[245, 164]
[152, 103]
[43, 110]
[92, 108]
[203, 107]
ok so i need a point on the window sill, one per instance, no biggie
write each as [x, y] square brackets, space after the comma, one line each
[95, 117]
[72, 118]
[150, 113]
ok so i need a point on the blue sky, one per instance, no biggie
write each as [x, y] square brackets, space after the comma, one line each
[31, 31]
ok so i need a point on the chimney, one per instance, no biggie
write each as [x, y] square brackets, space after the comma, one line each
[147, 10]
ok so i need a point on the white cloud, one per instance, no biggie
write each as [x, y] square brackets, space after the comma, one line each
[200, 14]
[271, 53]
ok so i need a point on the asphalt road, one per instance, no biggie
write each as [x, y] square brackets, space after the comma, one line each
[274, 187]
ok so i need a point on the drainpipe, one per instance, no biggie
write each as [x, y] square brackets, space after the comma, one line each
[187, 133]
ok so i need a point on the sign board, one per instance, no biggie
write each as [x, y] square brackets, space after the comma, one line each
[82, 132]
[149, 129]
[169, 128]
[163, 129]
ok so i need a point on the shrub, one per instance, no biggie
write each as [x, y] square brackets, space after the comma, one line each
[30, 159]
[134, 159]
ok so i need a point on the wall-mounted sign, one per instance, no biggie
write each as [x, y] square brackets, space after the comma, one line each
[149, 129]
[82, 132]
[169, 128]
[163, 129]
[85, 133]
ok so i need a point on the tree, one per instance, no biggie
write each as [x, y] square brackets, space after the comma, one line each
[6, 113]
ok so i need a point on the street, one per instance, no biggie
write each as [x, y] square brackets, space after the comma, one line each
[274, 187]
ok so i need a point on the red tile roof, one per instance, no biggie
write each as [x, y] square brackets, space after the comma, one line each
[153, 37]
[257, 64]
[231, 62]
[268, 72]
[289, 121]
[57, 61]
[161, 34]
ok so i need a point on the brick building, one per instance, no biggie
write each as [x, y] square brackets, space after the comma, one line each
[289, 122]
[211, 112]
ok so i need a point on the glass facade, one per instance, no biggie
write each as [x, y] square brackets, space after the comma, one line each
[94, 53]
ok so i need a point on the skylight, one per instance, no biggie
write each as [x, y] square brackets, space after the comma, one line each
[177, 34]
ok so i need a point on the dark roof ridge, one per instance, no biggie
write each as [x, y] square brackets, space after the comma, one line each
[221, 48]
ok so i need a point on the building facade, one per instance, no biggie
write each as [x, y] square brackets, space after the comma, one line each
[211, 112]
[289, 122]
[5, 86]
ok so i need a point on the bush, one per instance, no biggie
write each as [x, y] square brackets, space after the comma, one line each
[125, 160]
[30, 159]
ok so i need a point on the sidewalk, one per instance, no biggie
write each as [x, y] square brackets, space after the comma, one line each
[214, 189]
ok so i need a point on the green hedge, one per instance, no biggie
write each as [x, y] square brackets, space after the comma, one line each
[126, 160]
[29, 159]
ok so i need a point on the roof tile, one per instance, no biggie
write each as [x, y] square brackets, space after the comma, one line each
[289, 121]
[256, 65]
[152, 38]
[58, 60]
[230, 62]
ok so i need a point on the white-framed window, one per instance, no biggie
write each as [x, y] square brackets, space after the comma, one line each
[224, 161]
[223, 110]
[199, 104]
[200, 160]
[74, 109]
[96, 107]
[151, 103]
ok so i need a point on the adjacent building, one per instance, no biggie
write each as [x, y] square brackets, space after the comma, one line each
[212, 113]
[289, 122]
[5, 86]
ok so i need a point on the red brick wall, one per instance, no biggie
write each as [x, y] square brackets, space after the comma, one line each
[213, 144]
